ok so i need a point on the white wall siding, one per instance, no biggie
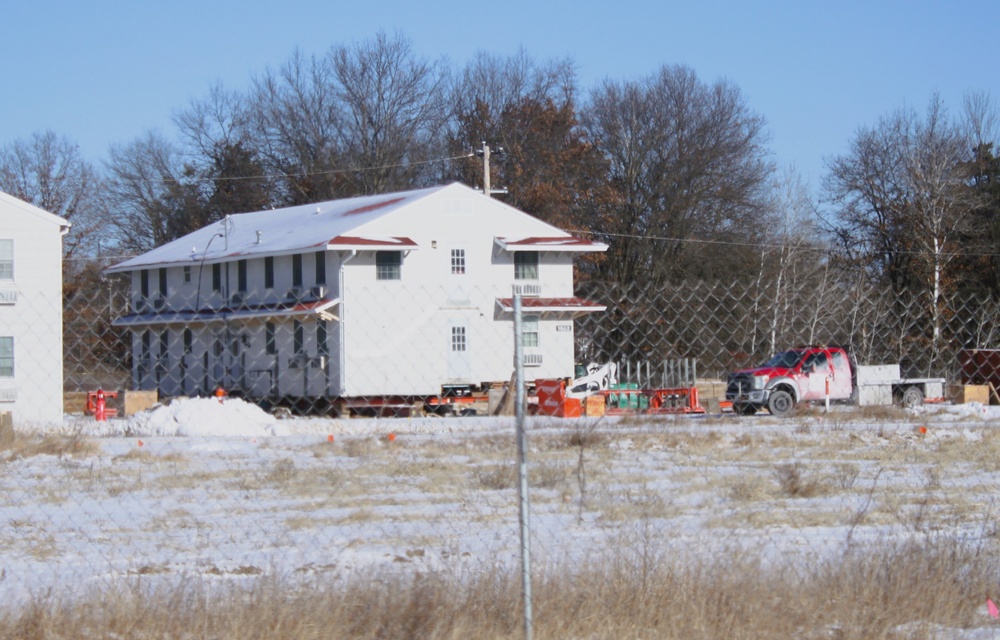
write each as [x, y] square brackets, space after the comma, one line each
[32, 315]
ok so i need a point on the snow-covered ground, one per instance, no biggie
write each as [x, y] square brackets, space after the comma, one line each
[223, 491]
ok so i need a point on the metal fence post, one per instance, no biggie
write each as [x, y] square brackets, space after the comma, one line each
[522, 466]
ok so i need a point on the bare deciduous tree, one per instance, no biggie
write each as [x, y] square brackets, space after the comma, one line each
[146, 191]
[688, 161]
[528, 110]
[902, 196]
[394, 108]
[296, 119]
[47, 171]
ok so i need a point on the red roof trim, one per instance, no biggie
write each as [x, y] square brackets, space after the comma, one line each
[551, 303]
[357, 240]
[373, 207]
[540, 241]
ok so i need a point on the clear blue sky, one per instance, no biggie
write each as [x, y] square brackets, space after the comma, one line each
[104, 72]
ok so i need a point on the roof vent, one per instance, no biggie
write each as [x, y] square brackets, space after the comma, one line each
[317, 210]
[259, 234]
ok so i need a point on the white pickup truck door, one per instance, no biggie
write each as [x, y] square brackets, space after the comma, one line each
[832, 366]
[840, 376]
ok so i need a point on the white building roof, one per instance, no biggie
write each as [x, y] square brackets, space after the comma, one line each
[30, 209]
[335, 224]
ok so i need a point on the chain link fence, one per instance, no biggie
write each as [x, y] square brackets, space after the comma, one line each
[719, 327]
[337, 498]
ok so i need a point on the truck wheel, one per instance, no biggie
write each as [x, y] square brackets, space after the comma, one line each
[741, 409]
[780, 403]
[912, 397]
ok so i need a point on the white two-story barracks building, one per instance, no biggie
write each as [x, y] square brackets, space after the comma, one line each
[396, 295]
[31, 313]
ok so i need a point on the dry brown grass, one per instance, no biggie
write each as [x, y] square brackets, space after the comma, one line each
[888, 591]
[27, 446]
[755, 486]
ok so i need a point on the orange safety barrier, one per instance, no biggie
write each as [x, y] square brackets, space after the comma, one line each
[552, 400]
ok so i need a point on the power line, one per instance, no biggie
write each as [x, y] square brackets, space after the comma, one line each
[308, 174]
[773, 245]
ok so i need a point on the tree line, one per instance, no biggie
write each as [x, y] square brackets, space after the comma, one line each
[674, 173]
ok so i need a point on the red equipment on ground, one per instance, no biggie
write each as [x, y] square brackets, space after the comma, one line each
[97, 404]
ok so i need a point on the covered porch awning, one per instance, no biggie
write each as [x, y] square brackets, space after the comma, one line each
[567, 243]
[550, 308]
[322, 309]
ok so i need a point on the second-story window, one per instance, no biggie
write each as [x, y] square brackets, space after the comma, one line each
[241, 275]
[187, 273]
[6, 259]
[297, 270]
[321, 267]
[216, 277]
[526, 265]
[163, 282]
[144, 283]
[388, 265]
[269, 272]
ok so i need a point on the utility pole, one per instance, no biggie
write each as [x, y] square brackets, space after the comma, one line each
[485, 154]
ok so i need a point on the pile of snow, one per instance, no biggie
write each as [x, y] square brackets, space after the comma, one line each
[204, 417]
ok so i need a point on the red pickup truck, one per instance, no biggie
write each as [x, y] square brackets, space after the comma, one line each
[810, 374]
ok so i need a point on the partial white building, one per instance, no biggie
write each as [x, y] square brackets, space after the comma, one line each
[31, 345]
[403, 294]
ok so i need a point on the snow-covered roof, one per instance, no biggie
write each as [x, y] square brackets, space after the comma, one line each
[27, 207]
[284, 231]
[334, 224]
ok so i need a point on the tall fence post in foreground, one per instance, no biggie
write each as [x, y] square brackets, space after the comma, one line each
[522, 465]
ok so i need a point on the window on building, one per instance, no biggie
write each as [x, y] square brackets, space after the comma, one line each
[322, 346]
[6, 259]
[458, 340]
[164, 346]
[188, 341]
[270, 344]
[187, 274]
[297, 270]
[146, 350]
[298, 338]
[217, 277]
[458, 261]
[388, 265]
[163, 282]
[241, 275]
[529, 331]
[321, 267]
[6, 357]
[269, 272]
[526, 265]
[144, 283]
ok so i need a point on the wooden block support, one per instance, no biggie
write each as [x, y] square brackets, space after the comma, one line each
[966, 393]
[136, 401]
[6, 429]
